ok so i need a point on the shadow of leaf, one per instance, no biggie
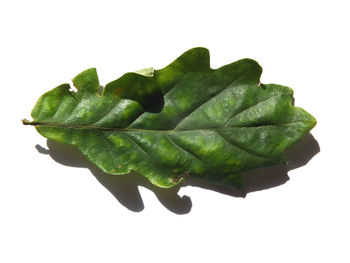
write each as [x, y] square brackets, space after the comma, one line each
[125, 187]
[258, 179]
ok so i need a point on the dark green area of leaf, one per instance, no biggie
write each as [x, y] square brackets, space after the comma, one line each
[183, 120]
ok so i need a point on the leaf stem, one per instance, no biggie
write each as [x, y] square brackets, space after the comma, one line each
[28, 122]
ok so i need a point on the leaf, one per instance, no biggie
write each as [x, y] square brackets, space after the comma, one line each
[183, 120]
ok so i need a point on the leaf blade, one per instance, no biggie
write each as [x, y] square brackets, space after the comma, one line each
[215, 123]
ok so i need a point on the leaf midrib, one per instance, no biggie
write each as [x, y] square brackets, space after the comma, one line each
[92, 127]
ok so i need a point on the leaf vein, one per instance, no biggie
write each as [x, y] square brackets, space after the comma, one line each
[241, 148]
[138, 145]
[107, 113]
[184, 150]
[74, 109]
[251, 106]
[207, 101]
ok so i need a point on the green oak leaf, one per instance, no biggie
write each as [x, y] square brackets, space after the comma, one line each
[186, 119]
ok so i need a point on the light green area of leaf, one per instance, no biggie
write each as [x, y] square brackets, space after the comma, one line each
[183, 120]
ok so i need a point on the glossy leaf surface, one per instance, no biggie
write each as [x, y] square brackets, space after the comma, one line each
[183, 120]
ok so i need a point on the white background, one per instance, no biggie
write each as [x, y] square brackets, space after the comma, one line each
[52, 212]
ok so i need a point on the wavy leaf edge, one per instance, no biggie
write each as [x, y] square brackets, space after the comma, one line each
[151, 122]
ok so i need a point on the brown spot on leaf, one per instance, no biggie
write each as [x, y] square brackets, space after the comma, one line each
[118, 91]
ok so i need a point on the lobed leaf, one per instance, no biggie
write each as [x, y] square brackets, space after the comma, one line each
[184, 119]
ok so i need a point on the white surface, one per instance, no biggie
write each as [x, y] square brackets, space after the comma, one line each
[55, 213]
